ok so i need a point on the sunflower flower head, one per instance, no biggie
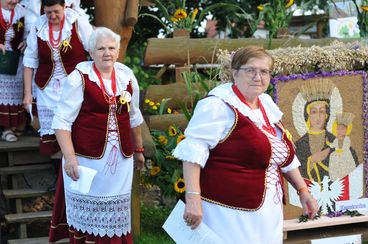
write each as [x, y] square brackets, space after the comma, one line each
[151, 103]
[146, 101]
[162, 140]
[172, 131]
[180, 138]
[180, 14]
[179, 185]
[155, 170]
[154, 107]
[260, 7]
[364, 7]
[288, 3]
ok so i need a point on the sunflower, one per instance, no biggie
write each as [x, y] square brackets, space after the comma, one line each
[288, 3]
[147, 101]
[155, 170]
[162, 140]
[180, 14]
[364, 7]
[179, 185]
[154, 107]
[180, 138]
[151, 103]
[174, 19]
[172, 131]
[260, 7]
[169, 111]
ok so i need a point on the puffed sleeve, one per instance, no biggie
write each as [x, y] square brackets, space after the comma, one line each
[70, 102]
[85, 30]
[135, 114]
[293, 165]
[30, 58]
[211, 121]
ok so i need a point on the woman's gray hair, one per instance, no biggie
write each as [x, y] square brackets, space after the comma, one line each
[102, 32]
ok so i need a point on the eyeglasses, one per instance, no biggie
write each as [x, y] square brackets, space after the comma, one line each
[252, 72]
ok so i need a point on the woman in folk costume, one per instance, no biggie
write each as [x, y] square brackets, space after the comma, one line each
[234, 154]
[97, 124]
[11, 83]
[56, 44]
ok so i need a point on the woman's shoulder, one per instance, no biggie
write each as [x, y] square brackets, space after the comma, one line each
[119, 67]
[85, 67]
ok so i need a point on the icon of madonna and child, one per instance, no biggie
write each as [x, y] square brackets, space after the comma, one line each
[329, 163]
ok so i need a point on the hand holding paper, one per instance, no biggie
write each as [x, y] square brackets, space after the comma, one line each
[83, 184]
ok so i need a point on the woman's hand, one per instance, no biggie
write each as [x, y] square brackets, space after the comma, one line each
[22, 46]
[309, 203]
[2, 48]
[193, 210]
[71, 167]
[320, 156]
[27, 99]
[138, 161]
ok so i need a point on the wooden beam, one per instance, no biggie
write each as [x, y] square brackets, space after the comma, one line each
[203, 50]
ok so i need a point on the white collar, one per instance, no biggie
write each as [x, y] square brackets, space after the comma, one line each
[226, 93]
[122, 72]
[42, 26]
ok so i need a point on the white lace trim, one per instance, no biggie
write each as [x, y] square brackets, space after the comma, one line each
[99, 215]
[45, 114]
[201, 152]
[11, 88]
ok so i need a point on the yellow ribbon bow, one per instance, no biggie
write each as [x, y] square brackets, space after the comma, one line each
[20, 25]
[123, 101]
[65, 45]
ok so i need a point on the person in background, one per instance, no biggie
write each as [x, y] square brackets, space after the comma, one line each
[12, 45]
[97, 124]
[56, 44]
[234, 155]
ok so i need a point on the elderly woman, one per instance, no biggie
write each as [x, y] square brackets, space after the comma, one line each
[234, 153]
[56, 44]
[97, 125]
[11, 83]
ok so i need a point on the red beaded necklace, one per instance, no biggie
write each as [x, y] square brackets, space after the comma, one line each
[55, 43]
[266, 127]
[3, 23]
[109, 99]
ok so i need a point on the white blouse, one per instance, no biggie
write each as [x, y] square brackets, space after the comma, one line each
[213, 119]
[41, 30]
[72, 97]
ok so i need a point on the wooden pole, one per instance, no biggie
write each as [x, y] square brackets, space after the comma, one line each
[203, 50]
[111, 14]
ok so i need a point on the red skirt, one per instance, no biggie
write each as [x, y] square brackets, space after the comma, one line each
[49, 145]
[77, 237]
[11, 116]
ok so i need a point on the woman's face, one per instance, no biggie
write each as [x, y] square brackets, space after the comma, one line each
[105, 53]
[54, 13]
[9, 4]
[253, 78]
[318, 116]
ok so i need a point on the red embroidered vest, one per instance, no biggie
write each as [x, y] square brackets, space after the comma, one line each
[235, 173]
[18, 34]
[70, 57]
[90, 129]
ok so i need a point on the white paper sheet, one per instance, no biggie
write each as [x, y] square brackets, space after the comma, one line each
[29, 109]
[178, 230]
[83, 184]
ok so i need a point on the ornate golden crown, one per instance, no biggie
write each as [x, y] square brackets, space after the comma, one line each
[344, 118]
[315, 90]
